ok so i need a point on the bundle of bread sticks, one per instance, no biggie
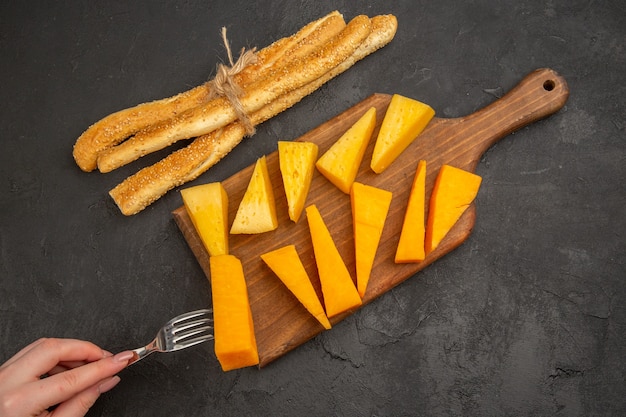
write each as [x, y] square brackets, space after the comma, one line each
[264, 83]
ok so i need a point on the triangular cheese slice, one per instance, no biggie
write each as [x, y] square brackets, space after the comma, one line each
[340, 163]
[454, 191]
[257, 210]
[207, 206]
[411, 244]
[404, 120]
[297, 162]
[338, 289]
[287, 265]
[369, 212]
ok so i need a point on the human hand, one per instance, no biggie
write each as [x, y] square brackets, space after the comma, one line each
[78, 372]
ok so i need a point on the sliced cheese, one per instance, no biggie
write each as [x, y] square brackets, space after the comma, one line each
[286, 264]
[411, 243]
[403, 122]
[207, 206]
[257, 210]
[340, 163]
[297, 162]
[454, 191]
[369, 212]
[235, 342]
[338, 289]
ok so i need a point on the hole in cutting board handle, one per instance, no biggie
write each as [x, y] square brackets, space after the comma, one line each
[549, 85]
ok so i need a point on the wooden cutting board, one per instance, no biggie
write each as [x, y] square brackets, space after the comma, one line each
[281, 323]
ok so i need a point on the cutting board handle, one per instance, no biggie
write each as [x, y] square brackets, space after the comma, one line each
[540, 94]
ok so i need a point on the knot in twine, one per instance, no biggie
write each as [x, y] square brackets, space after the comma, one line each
[224, 83]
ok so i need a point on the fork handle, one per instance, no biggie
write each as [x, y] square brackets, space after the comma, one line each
[142, 352]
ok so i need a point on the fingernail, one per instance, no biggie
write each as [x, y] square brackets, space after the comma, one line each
[108, 384]
[124, 356]
[106, 353]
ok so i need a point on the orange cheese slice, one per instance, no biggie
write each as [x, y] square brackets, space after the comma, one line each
[287, 265]
[454, 191]
[411, 244]
[338, 289]
[370, 206]
[235, 342]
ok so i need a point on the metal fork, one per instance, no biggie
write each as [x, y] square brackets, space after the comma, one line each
[181, 332]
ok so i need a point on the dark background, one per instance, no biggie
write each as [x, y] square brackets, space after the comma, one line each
[527, 318]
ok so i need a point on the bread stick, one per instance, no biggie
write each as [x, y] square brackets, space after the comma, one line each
[219, 112]
[116, 127]
[149, 184]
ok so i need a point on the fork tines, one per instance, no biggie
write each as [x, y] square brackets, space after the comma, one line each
[191, 328]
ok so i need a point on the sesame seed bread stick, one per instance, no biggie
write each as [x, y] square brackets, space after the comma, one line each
[219, 112]
[116, 127]
[149, 184]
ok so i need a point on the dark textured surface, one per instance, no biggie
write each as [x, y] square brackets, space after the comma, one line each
[526, 318]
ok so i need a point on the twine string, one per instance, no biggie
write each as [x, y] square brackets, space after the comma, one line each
[224, 83]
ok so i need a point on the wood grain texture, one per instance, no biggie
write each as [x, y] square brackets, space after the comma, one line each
[281, 323]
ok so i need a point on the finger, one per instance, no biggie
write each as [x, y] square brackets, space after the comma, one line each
[65, 385]
[80, 404]
[48, 353]
[67, 365]
[60, 368]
